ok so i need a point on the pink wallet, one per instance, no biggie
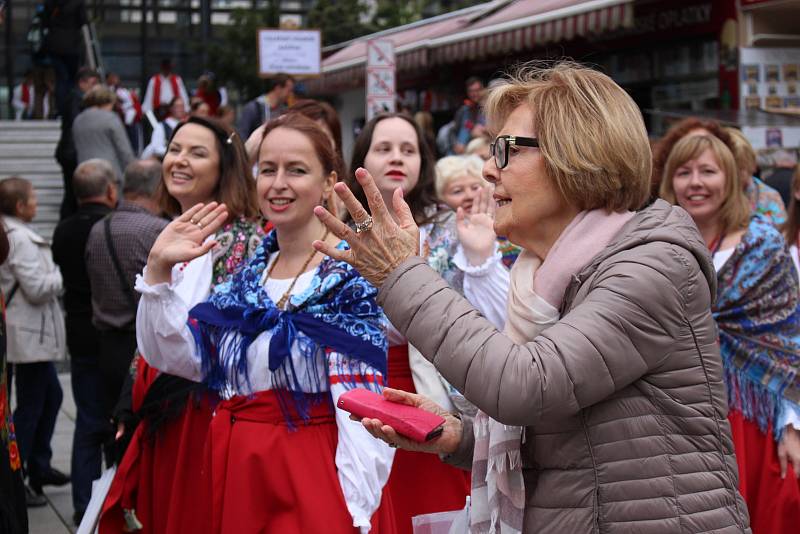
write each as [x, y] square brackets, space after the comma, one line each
[414, 423]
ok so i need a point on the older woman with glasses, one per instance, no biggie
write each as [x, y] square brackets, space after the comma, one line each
[602, 404]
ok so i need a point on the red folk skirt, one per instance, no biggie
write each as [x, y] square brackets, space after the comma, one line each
[160, 479]
[419, 482]
[266, 477]
[773, 502]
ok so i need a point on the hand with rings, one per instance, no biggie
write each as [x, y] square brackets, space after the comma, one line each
[378, 244]
[184, 239]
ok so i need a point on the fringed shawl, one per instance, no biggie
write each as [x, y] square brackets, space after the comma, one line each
[759, 322]
[338, 312]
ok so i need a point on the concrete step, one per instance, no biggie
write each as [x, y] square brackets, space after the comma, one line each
[27, 150]
[32, 165]
[29, 136]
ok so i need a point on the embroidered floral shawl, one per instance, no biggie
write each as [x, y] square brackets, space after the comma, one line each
[337, 312]
[759, 321]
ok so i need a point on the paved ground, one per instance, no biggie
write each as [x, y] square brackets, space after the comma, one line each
[56, 517]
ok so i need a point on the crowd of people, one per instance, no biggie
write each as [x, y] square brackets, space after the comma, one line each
[610, 333]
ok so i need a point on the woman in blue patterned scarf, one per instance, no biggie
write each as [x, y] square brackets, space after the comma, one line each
[757, 312]
[279, 342]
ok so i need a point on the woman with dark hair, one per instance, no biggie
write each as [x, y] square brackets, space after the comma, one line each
[279, 343]
[757, 310]
[13, 513]
[463, 250]
[159, 483]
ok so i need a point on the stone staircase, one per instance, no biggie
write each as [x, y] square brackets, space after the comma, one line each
[27, 150]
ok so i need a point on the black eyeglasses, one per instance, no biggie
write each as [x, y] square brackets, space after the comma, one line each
[503, 143]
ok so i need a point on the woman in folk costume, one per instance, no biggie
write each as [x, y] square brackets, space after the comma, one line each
[158, 483]
[602, 402]
[756, 308]
[279, 343]
[463, 249]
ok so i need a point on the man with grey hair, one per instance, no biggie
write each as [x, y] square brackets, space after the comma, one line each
[94, 184]
[116, 252]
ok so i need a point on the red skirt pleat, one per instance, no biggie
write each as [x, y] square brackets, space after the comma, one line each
[420, 483]
[266, 477]
[773, 502]
[161, 478]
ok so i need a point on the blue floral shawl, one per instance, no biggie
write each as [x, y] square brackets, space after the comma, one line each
[759, 321]
[337, 312]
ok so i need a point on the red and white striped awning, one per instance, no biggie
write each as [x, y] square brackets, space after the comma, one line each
[468, 35]
[526, 33]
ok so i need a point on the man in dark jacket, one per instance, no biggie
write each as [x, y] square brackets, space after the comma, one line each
[66, 155]
[267, 106]
[95, 187]
[63, 44]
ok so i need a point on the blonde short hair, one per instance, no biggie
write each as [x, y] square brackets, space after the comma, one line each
[743, 152]
[735, 210]
[476, 145]
[591, 133]
[451, 167]
[99, 95]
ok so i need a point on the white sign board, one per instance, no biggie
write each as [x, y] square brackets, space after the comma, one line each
[294, 52]
[380, 77]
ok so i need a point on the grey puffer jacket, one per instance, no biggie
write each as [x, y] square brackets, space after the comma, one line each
[623, 398]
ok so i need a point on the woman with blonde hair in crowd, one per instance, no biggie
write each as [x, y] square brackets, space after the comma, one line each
[460, 184]
[602, 402]
[159, 484]
[464, 252]
[279, 343]
[756, 310]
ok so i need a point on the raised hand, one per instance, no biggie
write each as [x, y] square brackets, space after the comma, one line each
[381, 244]
[184, 239]
[476, 229]
[446, 443]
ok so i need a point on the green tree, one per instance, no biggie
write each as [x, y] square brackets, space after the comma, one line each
[339, 20]
[393, 13]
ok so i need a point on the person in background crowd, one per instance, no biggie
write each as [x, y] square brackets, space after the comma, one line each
[36, 336]
[163, 88]
[129, 109]
[98, 132]
[227, 115]
[163, 132]
[602, 407]
[756, 309]
[424, 120]
[159, 482]
[764, 200]
[209, 93]
[479, 147]
[63, 44]
[66, 154]
[469, 121]
[26, 96]
[460, 184]
[13, 513]
[95, 187]
[298, 464]
[780, 176]
[392, 149]
[459, 181]
[199, 108]
[271, 104]
[116, 251]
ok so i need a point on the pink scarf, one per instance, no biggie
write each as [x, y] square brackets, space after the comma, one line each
[535, 295]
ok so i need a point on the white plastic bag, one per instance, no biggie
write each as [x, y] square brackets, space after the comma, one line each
[455, 522]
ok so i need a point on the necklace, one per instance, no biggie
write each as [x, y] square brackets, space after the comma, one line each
[282, 302]
[716, 244]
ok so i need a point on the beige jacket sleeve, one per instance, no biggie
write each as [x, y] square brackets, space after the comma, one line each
[623, 327]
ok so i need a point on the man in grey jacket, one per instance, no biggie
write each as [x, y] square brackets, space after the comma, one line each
[267, 106]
